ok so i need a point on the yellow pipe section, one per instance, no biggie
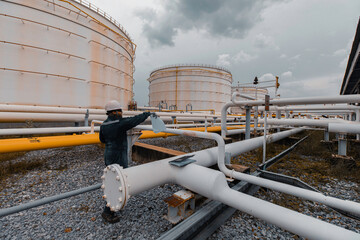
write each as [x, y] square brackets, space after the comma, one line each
[37, 143]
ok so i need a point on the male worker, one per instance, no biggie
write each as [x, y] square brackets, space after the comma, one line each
[113, 134]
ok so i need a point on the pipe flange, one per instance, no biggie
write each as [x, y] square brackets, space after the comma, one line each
[115, 187]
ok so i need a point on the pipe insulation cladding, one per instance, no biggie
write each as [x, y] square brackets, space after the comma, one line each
[63, 53]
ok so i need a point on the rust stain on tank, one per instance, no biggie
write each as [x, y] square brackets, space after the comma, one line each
[52, 77]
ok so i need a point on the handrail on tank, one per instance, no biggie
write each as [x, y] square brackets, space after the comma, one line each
[47, 74]
[127, 39]
[191, 65]
[44, 49]
[46, 25]
[188, 69]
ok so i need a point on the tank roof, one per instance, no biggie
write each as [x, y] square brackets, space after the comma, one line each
[191, 65]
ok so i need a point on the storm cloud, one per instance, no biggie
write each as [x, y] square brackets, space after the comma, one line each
[217, 18]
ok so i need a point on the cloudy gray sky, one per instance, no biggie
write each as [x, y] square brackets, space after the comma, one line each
[304, 42]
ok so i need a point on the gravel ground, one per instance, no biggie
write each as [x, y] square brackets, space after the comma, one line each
[78, 217]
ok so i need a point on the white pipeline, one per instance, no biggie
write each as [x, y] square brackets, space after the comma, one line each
[286, 101]
[28, 131]
[281, 187]
[120, 184]
[344, 128]
[303, 122]
[67, 117]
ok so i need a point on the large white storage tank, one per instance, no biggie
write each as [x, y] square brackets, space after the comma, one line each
[200, 86]
[63, 53]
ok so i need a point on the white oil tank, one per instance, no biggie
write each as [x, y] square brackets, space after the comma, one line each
[63, 53]
[188, 86]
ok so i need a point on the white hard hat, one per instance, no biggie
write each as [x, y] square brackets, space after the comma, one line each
[113, 105]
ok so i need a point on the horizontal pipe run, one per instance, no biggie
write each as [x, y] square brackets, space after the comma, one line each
[69, 110]
[286, 101]
[37, 143]
[67, 117]
[355, 98]
[312, 108]
[344, 128]
[11, 210]
[304, 122]
[29, 131]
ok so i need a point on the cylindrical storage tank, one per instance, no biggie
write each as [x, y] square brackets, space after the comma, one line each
[63, 53]
[258, 93]
[196, 87]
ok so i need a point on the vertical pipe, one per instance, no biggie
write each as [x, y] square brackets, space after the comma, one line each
[326, 135]
[264, 143]
[86, 121]
[358, 120]
[342, 145]
[278, 116]
[247, 126]
[206, 124]
[256, 114]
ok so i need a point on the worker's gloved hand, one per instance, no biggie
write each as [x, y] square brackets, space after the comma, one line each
[147, 114]
[153, 115]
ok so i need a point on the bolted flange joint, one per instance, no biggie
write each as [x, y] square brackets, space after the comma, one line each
[116, 187]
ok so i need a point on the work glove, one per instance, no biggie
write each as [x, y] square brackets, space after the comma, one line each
[153, 115]
[147, 114]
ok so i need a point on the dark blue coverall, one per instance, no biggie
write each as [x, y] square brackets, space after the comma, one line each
[113, 134]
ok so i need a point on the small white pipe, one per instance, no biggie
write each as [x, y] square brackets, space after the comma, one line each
[28, 131]
[93, 126]
[237, 94]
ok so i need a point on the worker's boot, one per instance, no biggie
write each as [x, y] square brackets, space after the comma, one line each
[110, 217]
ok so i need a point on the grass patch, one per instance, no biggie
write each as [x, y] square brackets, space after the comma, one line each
[10, 168]
[10, 156]
[311, 161]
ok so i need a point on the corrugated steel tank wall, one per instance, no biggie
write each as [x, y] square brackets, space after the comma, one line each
[202, 86]
[63, 53]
